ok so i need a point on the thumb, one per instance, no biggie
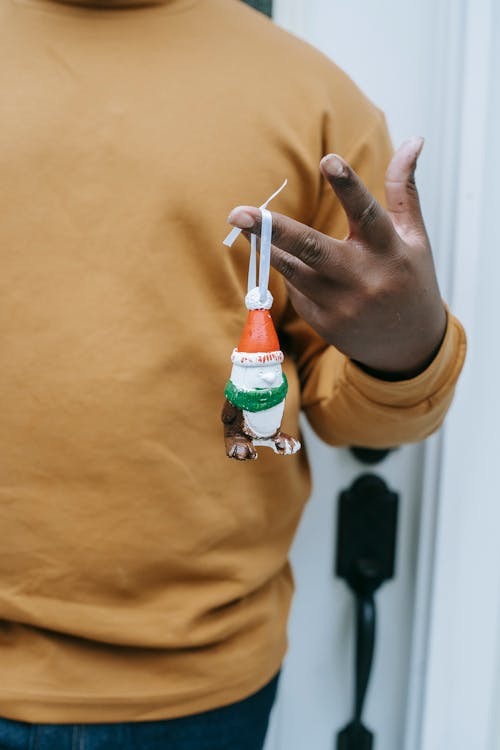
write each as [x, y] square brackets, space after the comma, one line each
[403, 204]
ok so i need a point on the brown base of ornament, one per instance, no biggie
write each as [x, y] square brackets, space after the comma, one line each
[241, 445]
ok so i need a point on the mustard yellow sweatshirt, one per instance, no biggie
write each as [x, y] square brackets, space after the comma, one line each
[143, 575]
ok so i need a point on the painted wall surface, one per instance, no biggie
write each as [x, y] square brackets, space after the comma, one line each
[490, 361]
[434, 68]
[390, 49]
[462, 692]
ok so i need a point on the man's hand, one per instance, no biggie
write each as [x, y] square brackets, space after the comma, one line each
[374, 295]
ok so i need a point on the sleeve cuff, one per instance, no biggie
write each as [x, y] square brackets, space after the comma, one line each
[443, 370]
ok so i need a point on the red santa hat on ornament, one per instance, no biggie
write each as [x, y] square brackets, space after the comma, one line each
[258, 345]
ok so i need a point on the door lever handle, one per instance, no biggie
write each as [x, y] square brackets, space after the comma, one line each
[366, 546]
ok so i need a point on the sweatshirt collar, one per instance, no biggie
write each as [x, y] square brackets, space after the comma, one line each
[110, 4]
[97, 5]
[108, 8]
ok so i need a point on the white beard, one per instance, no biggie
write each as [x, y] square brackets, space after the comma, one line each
[265, 423]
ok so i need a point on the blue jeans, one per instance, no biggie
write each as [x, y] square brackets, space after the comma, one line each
[239, 726]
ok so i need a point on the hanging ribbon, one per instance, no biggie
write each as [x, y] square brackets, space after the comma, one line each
[265, 253]
[258, 296]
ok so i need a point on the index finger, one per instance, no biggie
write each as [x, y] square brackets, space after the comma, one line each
[315, 249]
[367, 219]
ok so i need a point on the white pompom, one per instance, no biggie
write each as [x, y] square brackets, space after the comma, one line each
[253, 300]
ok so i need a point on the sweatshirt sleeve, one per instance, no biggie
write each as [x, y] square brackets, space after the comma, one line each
[345, 405]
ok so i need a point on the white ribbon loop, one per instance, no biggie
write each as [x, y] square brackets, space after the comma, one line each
[265, 252]
[252, 266]
[258, 296]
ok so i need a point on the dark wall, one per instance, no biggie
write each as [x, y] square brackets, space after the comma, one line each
[265, 6]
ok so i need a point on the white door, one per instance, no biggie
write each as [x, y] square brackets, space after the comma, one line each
[460, 706]
[394, 50]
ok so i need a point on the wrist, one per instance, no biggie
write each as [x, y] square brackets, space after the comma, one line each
[407, 373]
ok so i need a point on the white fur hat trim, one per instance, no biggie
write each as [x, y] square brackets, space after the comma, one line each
[256, 359]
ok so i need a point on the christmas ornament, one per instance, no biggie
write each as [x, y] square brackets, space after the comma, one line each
[255, 393]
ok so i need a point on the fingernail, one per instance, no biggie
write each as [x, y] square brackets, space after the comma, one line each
[241, 218]
[416, 142]
[420, 144]
[332, 164]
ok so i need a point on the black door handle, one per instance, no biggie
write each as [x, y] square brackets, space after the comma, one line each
[366, 546]
[369, 456]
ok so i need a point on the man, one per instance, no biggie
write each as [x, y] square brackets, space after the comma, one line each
[145, 586]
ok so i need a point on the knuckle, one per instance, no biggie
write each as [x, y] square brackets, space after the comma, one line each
[277, 231]
[411, 185]
[373, 289]
[310, 250]
[287, 269]
[348, 312]
[384, 284]
[368, 215]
